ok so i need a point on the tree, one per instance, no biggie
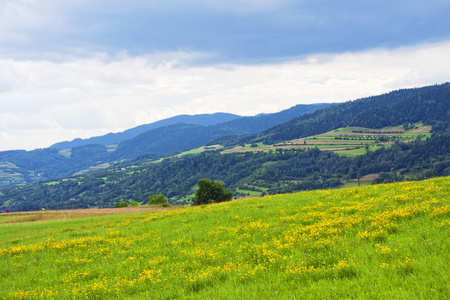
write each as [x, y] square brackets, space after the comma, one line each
[121, 203]
[157, 200]
[133, 203]
[211, 192]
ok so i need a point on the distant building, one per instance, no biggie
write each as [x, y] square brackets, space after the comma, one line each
[72, 199]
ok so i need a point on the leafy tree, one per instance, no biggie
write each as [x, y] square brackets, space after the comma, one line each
[157, 199]
[120, 204]
[211, 192]
[133, 203]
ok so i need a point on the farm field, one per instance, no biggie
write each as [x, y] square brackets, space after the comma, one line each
[375, 242]
[33, 216]
[348, 141]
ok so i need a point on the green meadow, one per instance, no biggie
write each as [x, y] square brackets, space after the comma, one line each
[372, 242]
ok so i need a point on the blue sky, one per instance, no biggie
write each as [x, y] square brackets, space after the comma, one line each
[87, 68]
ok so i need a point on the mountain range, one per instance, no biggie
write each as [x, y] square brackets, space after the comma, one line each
[276, 170]
[116, 138]
[156, 139]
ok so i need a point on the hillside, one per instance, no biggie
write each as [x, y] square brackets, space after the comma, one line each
[430, 105]
[379, 242]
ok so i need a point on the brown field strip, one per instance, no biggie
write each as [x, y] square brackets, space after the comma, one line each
[423, 129]
[32, 216]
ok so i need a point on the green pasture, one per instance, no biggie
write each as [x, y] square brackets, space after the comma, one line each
[51, 183]
[375, 242]
[66, 152]
[199, 150]
[248, 192]
[358, 151]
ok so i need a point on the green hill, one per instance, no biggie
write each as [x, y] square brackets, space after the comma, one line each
[430, 105]
[379, 242]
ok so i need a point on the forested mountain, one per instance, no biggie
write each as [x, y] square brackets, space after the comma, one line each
[116, 138]
[430, 105]
[235, 124]
[49, 163]
[32, 166]
[279, 171]
[180, 137]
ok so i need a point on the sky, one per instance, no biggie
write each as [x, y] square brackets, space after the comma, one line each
[82, 68]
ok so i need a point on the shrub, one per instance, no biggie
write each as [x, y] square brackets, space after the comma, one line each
[120, 204]
[157, 199]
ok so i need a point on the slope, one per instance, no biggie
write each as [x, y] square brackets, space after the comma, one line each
[430, 105]
[378, 242]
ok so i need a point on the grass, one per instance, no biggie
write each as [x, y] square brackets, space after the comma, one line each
[20, 217]
[376, 242]
[201, 150]
[353, 184]
[52, 183]
[348, 141]
[66, 152]
[248, 192]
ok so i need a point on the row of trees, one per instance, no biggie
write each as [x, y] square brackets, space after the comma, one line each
[208, 192]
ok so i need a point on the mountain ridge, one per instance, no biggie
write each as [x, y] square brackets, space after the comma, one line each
[116, 138]
[430, 104]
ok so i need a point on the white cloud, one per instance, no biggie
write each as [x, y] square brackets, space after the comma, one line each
[43, 102]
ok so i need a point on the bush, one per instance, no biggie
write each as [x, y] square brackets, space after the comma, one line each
[211, 192]
[120, 204]
[157, 199]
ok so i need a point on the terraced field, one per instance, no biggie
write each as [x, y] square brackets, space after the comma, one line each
[349, 141]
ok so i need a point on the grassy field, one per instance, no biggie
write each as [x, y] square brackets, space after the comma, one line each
[375, 242]
[348, 141]
[47, 215]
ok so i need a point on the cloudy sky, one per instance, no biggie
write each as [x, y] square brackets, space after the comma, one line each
[83, 68]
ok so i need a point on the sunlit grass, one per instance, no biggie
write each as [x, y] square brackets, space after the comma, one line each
[377, 242]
